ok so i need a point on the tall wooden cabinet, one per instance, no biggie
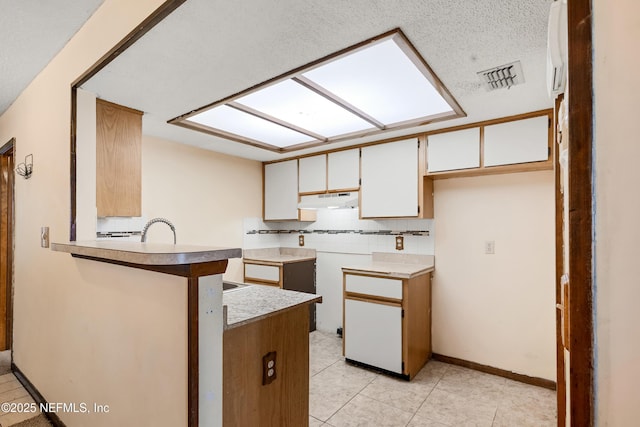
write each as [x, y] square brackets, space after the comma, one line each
[118, 160]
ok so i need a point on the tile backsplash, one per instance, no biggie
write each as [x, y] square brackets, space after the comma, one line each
[341, 231]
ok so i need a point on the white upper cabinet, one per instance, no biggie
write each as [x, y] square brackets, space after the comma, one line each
[313, 174]
[453, 150]
[344, 170]
[281, 190]
[519, 141]
[389, 180]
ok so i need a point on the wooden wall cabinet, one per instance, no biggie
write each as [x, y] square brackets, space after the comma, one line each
[118, 160]
[387, 322]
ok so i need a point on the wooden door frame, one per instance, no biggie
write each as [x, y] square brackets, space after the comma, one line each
[581, 404]
[9, 147]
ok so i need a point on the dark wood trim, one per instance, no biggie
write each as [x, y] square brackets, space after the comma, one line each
[581, 384]
[193, 354]
[7, 231]
[37, 396]
[141, 29]
[540, 382]
[151, 21]
[8, 146]
[73, 168]
[559, 212]
[182, 270]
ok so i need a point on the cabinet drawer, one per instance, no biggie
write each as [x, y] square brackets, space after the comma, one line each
[377, 286]
[268, 273]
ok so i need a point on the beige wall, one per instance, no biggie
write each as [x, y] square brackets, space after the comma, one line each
[496, 310]
[85, 331]
[204, 194]
[617, 205]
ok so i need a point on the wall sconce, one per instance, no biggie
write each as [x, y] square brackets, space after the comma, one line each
[25, 169]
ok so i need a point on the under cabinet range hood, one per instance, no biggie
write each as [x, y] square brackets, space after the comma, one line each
[347, 200]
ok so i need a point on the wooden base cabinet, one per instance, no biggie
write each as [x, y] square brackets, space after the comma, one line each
[387, 322]
[283, 402]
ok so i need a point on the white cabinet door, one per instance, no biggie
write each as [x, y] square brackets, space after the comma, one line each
[453, 150]
[313, 174]
[373, 334]
[389, 180]
[520, 141]
[281, 190]
[343, 168]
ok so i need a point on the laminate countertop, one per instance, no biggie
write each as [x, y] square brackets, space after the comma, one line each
[399, 266]
[147, 253]
[250, 303]
[279, 256]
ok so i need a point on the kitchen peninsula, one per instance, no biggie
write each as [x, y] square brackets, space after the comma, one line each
[266, 356]
[202, 266]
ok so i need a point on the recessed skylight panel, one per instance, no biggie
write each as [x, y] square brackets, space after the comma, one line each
[237, 122]
[382, 81]
[291, 102]
[377, 85]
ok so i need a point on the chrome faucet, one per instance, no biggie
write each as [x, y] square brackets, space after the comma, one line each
[153, 221]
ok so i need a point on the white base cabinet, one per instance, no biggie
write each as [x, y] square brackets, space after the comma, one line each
[387, 322]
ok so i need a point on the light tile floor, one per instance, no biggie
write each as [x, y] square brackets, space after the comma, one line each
[342, 395]
[11, 391]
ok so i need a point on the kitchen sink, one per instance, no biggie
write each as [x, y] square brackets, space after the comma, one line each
[227, 286]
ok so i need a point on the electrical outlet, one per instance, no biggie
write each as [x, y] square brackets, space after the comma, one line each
[399, 243]
[269, 373]
[301, 240]
[490, 247]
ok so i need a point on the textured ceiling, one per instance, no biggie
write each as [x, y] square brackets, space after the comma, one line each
[32, 32]
[207, 50]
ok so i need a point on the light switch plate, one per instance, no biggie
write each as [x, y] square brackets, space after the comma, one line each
[490, 247]
[44, 237]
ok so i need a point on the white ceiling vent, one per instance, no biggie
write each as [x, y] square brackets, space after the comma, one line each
[503, 76]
